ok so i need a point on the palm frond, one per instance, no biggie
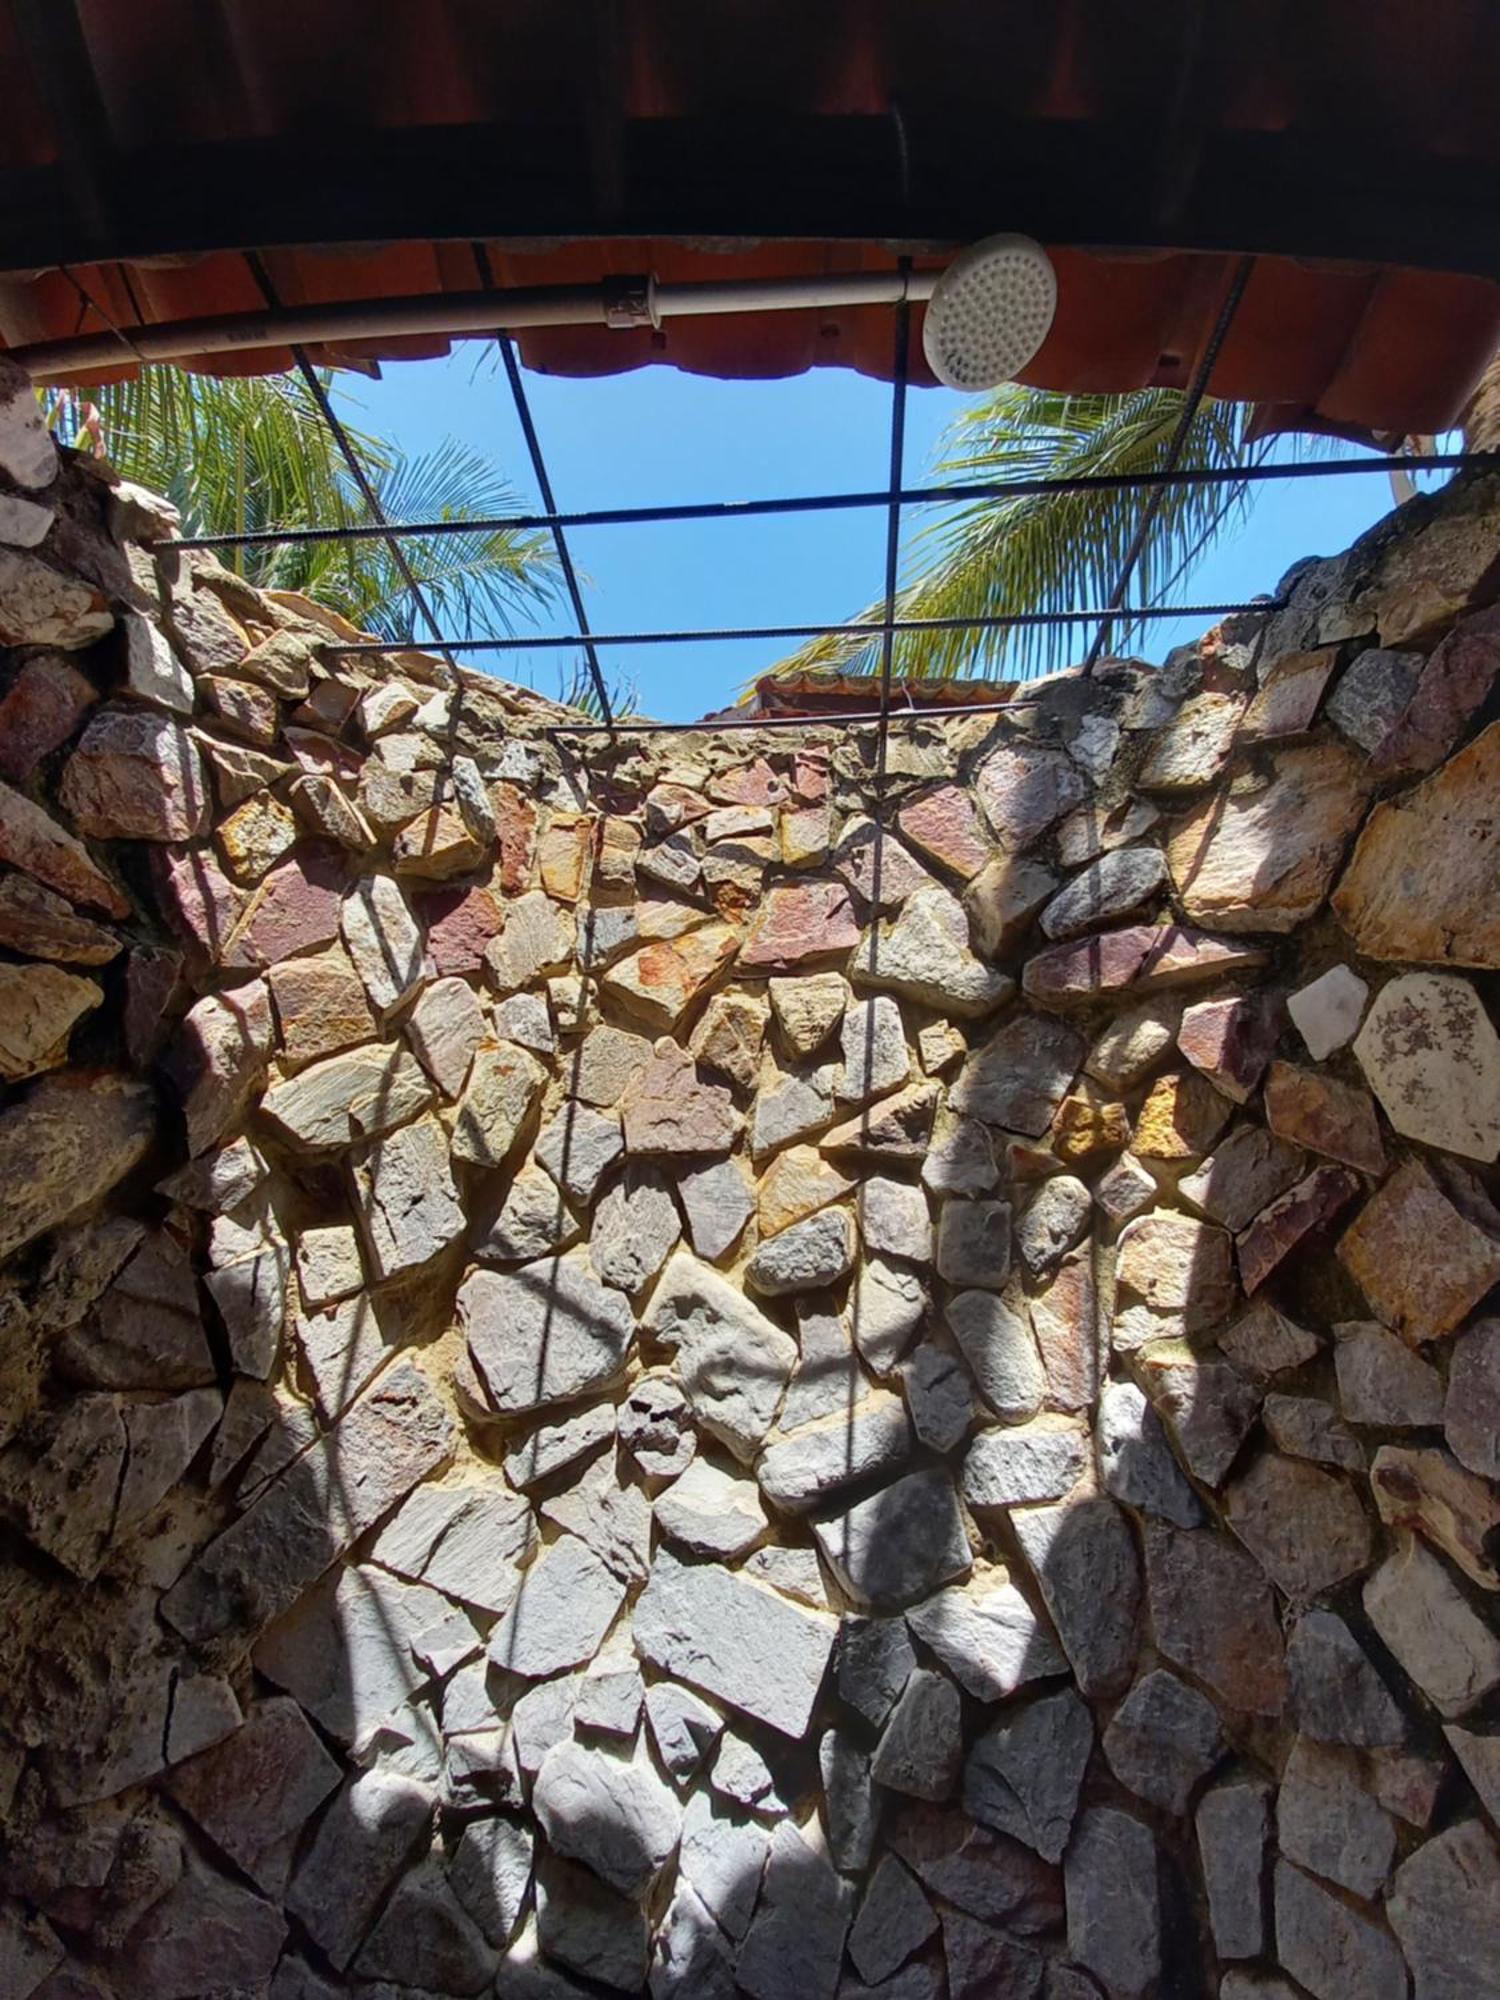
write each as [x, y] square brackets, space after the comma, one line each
[1053, 551]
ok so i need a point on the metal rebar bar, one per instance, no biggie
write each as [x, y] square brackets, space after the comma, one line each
[1192, 403]
[844, 719]
[559, 538]
[892, 535]
[880, 496]
[548, 642]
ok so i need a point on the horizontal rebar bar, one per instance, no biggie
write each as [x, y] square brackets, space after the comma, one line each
[880, 496]
[551, 642]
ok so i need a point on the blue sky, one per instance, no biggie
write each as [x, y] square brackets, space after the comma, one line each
[659, 435]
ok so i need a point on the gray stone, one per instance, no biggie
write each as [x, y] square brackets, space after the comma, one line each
[924, 955]
[1125, 1189]
[249, 1286]
[875, 1657]
[388, 1439]
[810, 1255]
[538, 938]
[799, 1468]
[605, 1064]
[1136, 1464]
[973, 1246]
[1425, 1622]
[348, 1097]
[1020, 1075]
[409, 1205]
[467, 1540]
[203, 1920]
[254, 1791]
[162, 1440]
[446, 1025]
[1264, 1342]
[995, 1338]
[939, 1395]
[1330, 1947]
[894, 1221]
[1162, 1739]
[341, 1350]
[610, 1698]
[656, 1428]
[722, 1856]
[795, 1943]
[1024, 1773]
[551, 1448]
[425, 1936]
[1381, 1381]
[733, 1363]
[613, 1814]
[1041, 1460]
[634, 1229]
[1114, 1915]
[1444, 1906]
[741, 1775]
[922, 1745]
[850, 1803]
[1471, 1413]
[491, 1873]
[718, 1202]
[1083, 1557]
[683, 1728]
[988, 1637]
[886, 1306]
[875, 1054]
[898, 1545]
[578, 1147]
[895, 1919]
[1214, 1615]
[1327, 1821]
[828, 1379]
[960, 1158]
[711, 1512]
[1233, 1824]
[526, 1018]
[691, 1957]
[739, 1642]
[589, 1928]
[566, 1603]
[985, 1874]
[1108, 888]
[1135, 1042]
[361, 1845]
[543, 1334]
[29, 1952]
[1306, 1527]
[614, 1520]
[791, 1108]
[1245, 1173]
[794, 1572]
[1056, 1217]
[1207, 1404]
[1307, 1427]
[1327, 1011]
[535, 1222]
[1372, 693]
[328, 1264]
[384, 940]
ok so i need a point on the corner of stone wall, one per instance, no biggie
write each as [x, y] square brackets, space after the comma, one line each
[627, 1361]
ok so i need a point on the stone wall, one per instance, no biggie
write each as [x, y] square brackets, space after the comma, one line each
[614, 1373]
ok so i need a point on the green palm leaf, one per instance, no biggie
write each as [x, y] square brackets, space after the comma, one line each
[1049, 551]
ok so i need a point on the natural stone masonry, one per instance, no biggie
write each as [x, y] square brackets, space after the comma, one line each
[681, 1375]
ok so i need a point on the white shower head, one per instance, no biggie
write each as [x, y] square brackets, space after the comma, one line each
[989, 312]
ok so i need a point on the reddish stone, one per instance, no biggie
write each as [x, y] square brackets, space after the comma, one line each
[945, 826]
[1305, 1211]
[460, 923]
[1141, 957]
[515, 826]
[200, 903]
[751, 785]
[1289, 700]
[320, 756]
[1231, 1041]
[136, 775]
[1423, 1254]
[1324, 1115]
[250, 712]
[218, 1059]
[671, 1109]
[152, 979]
[810, 776]
[41, 708]
[31, 840]
[295, 909]
[1453, 686]
[40, 924]
[797, 922]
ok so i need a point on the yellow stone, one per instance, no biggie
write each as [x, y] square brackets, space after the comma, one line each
[797, 1183]
[1180, 1119]
[563, 854]
[805, 836]
[255, 836]
[1089, 1123]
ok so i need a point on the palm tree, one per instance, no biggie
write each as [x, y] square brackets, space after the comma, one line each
[1054, 551]
[244, 453]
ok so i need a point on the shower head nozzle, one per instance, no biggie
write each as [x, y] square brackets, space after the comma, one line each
[989, 312]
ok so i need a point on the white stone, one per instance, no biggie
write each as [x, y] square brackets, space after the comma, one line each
[468, 1540]
[1015, 1464]
[409, 1204]
[711, 1512]
[1327, 1011]
[733, 1363]
[988, 1637]
[152, 670]
[876, 1058]
[612, 1813]
[1426, 1623]
[995, 1336]
[384, 940]
[328, 1266]
[801, 1467]
[1432, 1057]
[446, 1026]
[543, 1334]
